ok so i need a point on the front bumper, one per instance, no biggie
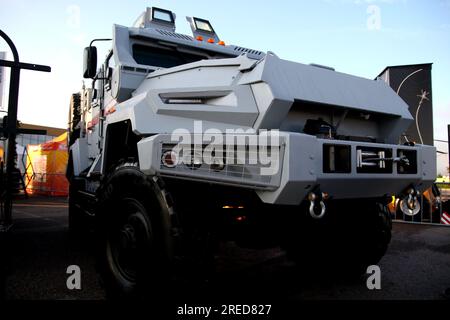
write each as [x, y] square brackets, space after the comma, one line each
[303, 165]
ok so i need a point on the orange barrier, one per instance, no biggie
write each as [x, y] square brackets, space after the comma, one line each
[46, 167]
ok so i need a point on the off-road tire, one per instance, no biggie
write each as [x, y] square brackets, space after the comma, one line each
[345, 242]
[75, 217]
[134, 246]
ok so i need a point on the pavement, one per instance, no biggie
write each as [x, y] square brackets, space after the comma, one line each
[416, 266]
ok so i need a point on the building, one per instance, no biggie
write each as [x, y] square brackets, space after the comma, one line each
[26, 139]
[23, 140]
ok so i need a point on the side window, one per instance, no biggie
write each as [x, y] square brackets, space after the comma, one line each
[158, 57]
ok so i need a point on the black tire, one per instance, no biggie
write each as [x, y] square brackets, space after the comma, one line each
[377, 234]
[76, 221]
[133, 227]
[343, 243]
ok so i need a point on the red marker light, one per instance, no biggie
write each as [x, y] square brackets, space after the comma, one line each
[169, 159]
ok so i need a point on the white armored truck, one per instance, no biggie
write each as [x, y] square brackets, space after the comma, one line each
[183, 141]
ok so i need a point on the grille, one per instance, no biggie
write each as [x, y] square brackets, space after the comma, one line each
[174, 35]
[245, 50]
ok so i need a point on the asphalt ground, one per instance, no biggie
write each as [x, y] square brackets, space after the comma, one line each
[416, 266]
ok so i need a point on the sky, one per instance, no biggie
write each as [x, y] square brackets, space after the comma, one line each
[359, 37]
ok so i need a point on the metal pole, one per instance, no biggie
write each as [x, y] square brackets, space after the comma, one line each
[12, 131]
[11, 126]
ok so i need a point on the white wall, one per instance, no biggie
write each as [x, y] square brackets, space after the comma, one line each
[442, 159]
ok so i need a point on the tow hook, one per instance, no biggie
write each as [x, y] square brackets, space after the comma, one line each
[410, 205]
[316, 204]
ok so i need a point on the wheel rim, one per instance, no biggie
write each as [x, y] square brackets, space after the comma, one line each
[129, 241]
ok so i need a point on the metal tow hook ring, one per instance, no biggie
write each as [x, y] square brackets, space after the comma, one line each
[313, 213]
[410, 205]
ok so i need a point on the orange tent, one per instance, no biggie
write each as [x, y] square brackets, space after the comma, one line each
[46, 167]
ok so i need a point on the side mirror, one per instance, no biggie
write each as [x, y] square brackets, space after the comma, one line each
[90, 62]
